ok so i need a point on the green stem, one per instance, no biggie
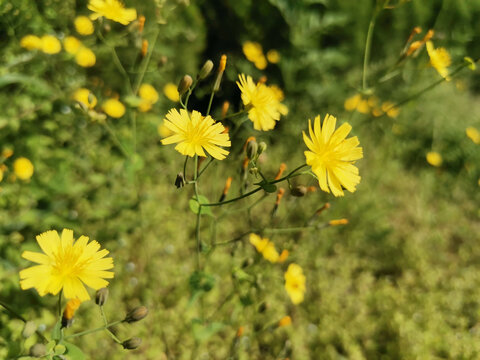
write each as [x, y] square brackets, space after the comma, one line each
[197, 225]
[112, 335]
[210, 102]
[368, 48]
[145, 62]
[185, 167]
[235, 114]
[86, 332]
[190, 93]
[205, 167]
[116, 140]
[60, 305]
[20, 317]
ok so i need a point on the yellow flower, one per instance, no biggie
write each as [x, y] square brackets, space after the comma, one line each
[72, 45]
[352, 102]
[164, 131]
[83, 25]
[66, 265]
[31, 42]
[149, 96]
[253, 52]
[390, 110]
[473, 134]
[439, 59]
[285, 321]
[363, 107]
[264, 247]
[114, 108]
[434, 158]
[332, 155]
[144, 106]
[85, 57]
[295, 283]
[273, 56]
[171, 92]
[23, 168]
[263, 104]
[86, 97]
[195, 133]
[50, 44]
[1, 174]
[113, 10]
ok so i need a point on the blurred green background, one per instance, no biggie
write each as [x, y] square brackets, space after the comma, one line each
[400, 281]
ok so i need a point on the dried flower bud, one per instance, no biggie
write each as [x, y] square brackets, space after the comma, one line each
[240, 331]
[144, 49]
[283, 256]
[262, 146]
[141, 23]
[69, 312]
[180, 180]
[132, 343]
[225, 107]
[101, 297]
[252, 148]
[338, 222]
[136, 314]
[29, 329]
[299, 191]
[38, 350]
[205, 70]
[184, 84]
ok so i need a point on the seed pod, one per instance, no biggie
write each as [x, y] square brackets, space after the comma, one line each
[38, 350]
[132, 343]
[299, 191]
[180, 181]
[136, 314]
[101, 297]
[184, 84]
[205, 70]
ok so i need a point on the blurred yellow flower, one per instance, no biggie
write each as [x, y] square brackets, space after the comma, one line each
[473, 134]
[434, 158]
[264, 247]
[67, 265]
[391, 110]
[72, 44]
[85, 57]
[352, 102]
[31, 42]
[23, 168]
[83, 25]
[113, 10]
[144, 106]
[439, 59]
[196, 134]
[263, 104]
[148, 92]
[295, 283]
[85, 97]
[273, 56]
[254, 53]
[164, 131]
[171, 92]
[283, 256]
[363, 106]
[50, 44]
[114, 108]
[1, 174]
[285, 321]
[332, 156]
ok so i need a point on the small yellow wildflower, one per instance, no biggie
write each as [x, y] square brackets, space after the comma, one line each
[114, 108]
[263, 104]
[7, 152]
[295, 283]
[264, 247]
[1, 175]
[471, 64]
[85, 57]
[149, 96]
[66, 265]
[113, 10]
[332, 156]
[171, 92]
[285, 321]
[363, 106]
[86, 97]
[31, 42]
[338, 222]
[273, 56]
[72, 45]
[439, 59]
[434, 158]
[50, 44]
[83, 25]
[391, 110]
[164, 131]
[23, 168]
[254, 53]
[352, 102]
[196, 134]
[473, 134]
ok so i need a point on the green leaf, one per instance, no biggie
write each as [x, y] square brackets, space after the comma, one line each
[194, 205]
[56, 331]
[269, 188]
[59, 349]
[74, 352]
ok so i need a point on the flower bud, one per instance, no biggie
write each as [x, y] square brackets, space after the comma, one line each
[29, 329]
[263, 306]
[338, 222]
[299, 191]
[262, 147]
[252, 148]
[136, 314]
[285, 321]
[69, 312]
[184, 84]
[132, 343]
[180, 180]
[221, 69]
[101, 297]
[205, 70]
[38, 350]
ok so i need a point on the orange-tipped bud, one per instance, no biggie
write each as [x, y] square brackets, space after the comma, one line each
[414, 47]
[281, 169]
[141, 23]
[283, 256]
[245, 163]
[225, 107]
[228, 183]
[338, 222]
[323, 208]
[285, 321]
[428, 35]
[223, 63]
[69, 312]
[240, 331]
[262, 80]
[416, 30]
[246, 142]
[144, 47]
[280, 193]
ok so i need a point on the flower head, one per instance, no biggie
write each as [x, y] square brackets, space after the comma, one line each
[85, 57]
[253, 52]
[31, 42]
[171, 92]
[72, 44]
[23, 168]
[439, 59]
[83, 25]
[85, 97]
[67, 265]
[50, 44]
[473, 134]
[114, 108]
[332, 156]
[434, 158]
[263, 102]
[149, 96]
[265, 247]
[113, 10]
[196, 134]
[295, 283]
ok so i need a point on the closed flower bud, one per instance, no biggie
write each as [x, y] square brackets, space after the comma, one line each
[180, 181]
[205, 70]
[132, 343]
[101, 297]
[299, 191]
[29, 329]
[184, 84]
[252, 148]
[69, 312]
[38, 350]
[136, 314]
[262, 147]
[263, 306]
[285, 321]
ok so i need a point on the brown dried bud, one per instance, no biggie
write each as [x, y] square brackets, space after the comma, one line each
[132, 344]
[38, 350]
[184, 84]
[101, 297]
[299, 191]
[205, 70]
[136, 314]
[180, 180]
